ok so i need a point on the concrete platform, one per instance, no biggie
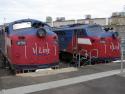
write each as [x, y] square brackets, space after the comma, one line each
[11, 82]
[107, 85]
[49, 71]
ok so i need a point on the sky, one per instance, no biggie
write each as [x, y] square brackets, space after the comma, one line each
[11, 10]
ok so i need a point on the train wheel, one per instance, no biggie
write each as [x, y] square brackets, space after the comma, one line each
[33, 70]
[5, 63]
[66, 57]
[13, 71]
[1, 61]
[108, 61]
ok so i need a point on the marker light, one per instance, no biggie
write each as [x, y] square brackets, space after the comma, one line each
[21, 42]
[41, 32]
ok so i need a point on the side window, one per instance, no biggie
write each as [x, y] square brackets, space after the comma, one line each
[7, 29]
[60, 33]
[80, 32]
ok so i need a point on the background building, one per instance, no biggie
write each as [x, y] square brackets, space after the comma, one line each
[61, 23]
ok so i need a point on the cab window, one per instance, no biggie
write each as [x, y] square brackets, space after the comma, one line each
[80, 32]
[60, 33]
[94, 30]
[23, 25]
[7, 29]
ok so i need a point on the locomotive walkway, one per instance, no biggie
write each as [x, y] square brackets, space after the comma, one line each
[83, 80]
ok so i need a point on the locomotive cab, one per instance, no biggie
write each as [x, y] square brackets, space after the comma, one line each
[91, 41]
[30, 44]
[105, 45]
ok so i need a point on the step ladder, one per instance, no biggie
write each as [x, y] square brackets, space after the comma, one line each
[93, 56]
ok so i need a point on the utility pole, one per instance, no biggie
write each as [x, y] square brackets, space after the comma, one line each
[124, 9]
[4, 20]
[122, 55]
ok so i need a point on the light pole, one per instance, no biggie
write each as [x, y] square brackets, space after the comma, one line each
[121, 59]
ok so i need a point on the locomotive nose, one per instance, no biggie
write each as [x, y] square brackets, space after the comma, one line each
[41, 32]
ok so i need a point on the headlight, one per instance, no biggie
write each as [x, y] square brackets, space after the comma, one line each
[115, 34]
[102, 40]
[41, 32]
[21, 43]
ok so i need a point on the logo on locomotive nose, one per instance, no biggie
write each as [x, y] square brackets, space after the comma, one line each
[114, 47]
[40, 50]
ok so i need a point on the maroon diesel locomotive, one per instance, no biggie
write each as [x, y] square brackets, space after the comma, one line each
[28, 44]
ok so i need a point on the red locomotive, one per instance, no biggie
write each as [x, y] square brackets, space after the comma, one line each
[93, 43]
[28, 44]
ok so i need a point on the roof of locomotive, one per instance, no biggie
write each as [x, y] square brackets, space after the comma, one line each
[74, 26]
[33, 22]
[84, 26]
[26, 20]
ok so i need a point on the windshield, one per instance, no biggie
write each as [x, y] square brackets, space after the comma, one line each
[94, 31]
[22, 25]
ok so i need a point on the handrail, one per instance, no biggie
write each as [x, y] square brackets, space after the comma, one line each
[94, 50]
[86, 52]
[86, 55]
[93, 56]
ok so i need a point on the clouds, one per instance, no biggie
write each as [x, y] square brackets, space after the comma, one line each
[39, 9]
